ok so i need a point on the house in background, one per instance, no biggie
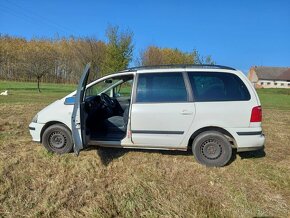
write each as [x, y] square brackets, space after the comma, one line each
[270, 77]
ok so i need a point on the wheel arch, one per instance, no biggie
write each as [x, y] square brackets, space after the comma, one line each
[50, 123]
[213, 128]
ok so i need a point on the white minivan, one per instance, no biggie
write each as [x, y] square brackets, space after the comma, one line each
[211, 109]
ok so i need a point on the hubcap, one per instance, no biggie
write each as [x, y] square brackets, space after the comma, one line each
[211, 149]
[57, 140]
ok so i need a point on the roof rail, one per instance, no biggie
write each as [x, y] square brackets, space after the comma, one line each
[203, 66]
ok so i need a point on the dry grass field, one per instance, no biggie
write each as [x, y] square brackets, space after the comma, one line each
[131, 183]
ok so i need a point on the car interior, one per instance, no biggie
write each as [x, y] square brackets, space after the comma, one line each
[107, 109]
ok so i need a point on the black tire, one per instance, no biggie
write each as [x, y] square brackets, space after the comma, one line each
[212, 148]
[58, 139]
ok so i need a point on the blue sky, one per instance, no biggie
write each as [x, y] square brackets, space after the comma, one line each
[235, 33]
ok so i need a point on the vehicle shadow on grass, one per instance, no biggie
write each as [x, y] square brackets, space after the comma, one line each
[252, 154]
[109, 154]
[246, 155]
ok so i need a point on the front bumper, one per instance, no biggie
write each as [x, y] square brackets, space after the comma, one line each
[35, 131]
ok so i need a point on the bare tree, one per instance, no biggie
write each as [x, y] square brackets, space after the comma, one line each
[39, 58]
[90, 50]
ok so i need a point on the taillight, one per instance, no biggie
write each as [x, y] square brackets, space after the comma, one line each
[256, 115]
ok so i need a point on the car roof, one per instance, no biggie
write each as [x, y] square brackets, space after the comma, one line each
[176, 68]
[179, 66]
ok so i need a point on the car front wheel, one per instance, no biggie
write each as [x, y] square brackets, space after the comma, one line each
[212, 148]
[58, 139]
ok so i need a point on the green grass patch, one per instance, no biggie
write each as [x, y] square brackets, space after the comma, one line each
[26, 92]
[275, 98]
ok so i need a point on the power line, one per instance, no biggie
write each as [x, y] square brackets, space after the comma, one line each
[44, 18]
[9, 12]
[34, 17]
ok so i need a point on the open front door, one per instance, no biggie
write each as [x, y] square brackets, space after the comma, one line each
[77, 118]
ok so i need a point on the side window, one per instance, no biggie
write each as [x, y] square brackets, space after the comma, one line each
[161, 87]
[212, 86]
[112, 86]
[124, 89]
[96, 88]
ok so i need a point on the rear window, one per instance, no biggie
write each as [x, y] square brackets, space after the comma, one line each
[213, 86]
[161, 87]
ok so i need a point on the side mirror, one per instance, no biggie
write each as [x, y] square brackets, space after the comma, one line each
[70, 100]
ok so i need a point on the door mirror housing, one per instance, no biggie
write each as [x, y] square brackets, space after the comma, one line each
[70, 100]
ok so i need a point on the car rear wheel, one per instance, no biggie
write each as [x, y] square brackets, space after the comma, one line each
[212, 148]
[58, 139]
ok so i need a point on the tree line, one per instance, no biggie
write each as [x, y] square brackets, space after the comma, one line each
[61, 60]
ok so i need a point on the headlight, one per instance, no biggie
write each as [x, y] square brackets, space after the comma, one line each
[34, 120]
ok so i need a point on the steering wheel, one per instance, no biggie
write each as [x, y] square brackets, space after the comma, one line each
[107, 100]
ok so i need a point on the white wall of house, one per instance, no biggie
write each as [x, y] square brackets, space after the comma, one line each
[273, 83]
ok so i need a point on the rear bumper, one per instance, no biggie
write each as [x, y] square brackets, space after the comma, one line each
[35, 131]
[250, 142]
[248, 139]
[250, 149]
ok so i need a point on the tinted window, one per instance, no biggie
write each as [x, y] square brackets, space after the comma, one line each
[209, 86]
[161, 87]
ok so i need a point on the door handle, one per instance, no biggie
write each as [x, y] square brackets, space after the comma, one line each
[186, 112]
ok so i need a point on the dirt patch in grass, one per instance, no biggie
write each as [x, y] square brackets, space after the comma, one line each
[131, 183]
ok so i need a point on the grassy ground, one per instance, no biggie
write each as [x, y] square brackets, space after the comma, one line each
[132, 183]
[26, 92]
[275, 98]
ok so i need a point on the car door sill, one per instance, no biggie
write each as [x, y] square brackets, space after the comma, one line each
[117, 144]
